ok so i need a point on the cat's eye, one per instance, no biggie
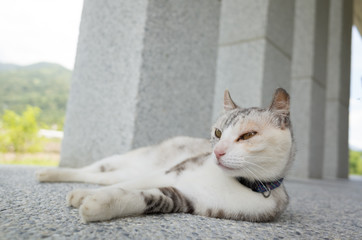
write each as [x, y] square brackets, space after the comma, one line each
[218, 133]
[247, 135]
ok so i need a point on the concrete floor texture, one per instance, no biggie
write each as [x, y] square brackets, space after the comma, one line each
[319, 209]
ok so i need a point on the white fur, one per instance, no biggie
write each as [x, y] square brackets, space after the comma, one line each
[136, 178]
[132, 165]
[211, 188]
[207, 186]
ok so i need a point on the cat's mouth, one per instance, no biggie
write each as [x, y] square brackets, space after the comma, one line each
[223, 166]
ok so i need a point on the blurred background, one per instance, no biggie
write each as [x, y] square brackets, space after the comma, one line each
[37, 54]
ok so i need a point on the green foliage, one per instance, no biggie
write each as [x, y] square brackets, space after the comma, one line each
[355, 162]
[19, 133]
[43, 85]
[31, 161]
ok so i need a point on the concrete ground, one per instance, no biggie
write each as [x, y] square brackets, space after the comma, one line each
[317, 210]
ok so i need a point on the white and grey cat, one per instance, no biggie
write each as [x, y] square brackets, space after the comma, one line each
[238, 176]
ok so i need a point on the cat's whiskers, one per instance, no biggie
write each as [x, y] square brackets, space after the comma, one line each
[238, 160]
[260, 171]
[246, 164]
[256, 178]
[232, 160]
[276, 178]
[247, 174]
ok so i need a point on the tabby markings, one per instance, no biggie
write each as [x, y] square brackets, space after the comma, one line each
[196, 161]
[169, 201]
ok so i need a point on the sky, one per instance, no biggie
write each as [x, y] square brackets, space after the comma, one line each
[47, 30]
[355, 101]
[39, 30]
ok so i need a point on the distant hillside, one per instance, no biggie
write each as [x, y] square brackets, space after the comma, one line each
[6, 66]
[45, 85]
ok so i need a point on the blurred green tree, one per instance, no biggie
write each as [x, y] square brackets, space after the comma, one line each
[44, 85]
[19, 133]
[355, 162]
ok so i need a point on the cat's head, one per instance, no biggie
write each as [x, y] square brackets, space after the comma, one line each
[254, 143]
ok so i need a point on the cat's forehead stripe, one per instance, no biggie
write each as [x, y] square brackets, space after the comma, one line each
[231, 117]
[236, 115]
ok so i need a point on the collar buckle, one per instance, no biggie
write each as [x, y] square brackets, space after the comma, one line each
[267, 193]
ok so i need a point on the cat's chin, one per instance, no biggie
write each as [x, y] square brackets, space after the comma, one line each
[224, 167]
[229, 171]
[232, 172]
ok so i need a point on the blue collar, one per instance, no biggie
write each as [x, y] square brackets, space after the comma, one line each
[260, 187]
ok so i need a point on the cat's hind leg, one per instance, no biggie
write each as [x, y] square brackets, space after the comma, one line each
[84, 174]
[79, 175]
[107, 171]
[109, 203]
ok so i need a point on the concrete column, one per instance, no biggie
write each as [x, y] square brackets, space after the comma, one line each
[336, 159]
[308, 93]
[255, 46]
[145, 71]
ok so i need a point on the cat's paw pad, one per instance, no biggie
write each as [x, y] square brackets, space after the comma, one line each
[96, 208]
[76, 197]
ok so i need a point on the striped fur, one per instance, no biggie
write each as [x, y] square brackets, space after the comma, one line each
[169, 201]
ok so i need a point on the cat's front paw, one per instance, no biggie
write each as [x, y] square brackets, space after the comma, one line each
[76, 197]
[97, 208]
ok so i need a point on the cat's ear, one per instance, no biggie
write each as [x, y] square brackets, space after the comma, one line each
[228, 102]
[280, 101]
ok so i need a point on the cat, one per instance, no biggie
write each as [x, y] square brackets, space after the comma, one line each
[238, 176]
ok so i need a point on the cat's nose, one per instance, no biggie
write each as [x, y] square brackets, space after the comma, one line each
[219, 153]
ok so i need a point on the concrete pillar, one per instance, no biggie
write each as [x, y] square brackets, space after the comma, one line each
[308, 92]
[255, 46]
[336, 160]
[144, 71]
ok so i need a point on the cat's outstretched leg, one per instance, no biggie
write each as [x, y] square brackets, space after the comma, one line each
[108, 203]
[90, 174]
[79, 175]
[107, 171]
